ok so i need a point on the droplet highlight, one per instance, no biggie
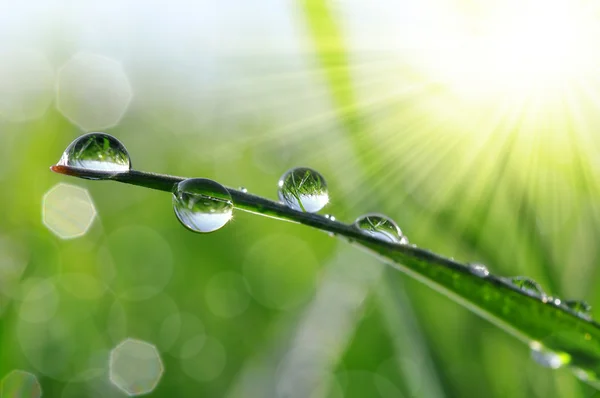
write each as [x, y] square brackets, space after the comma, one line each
[330, 217]
[202, 205]
[479, 270]
[303, 189]
[548, 358]
[97, 151]
[380, 227]
[243, 189]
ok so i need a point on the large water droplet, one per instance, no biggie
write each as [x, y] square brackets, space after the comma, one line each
[579, 306]
[479, 270]
[96, 151]
[202, 205]
[380, 227]
[527, 284]
[548, 358]
[303, 189]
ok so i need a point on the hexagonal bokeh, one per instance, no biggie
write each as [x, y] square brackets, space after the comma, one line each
[40, 303]
[26, 85]
[226, 294]
[20, 384]
[136, 262]
[13, 261]
[93, 91]
[203, 358]
[275, 286]
[135, 367]
[68, 210]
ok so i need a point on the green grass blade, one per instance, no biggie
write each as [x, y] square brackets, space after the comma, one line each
[528, 316]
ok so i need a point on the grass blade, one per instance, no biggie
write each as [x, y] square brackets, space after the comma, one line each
[532, 318]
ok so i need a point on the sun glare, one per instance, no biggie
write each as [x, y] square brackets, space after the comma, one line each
[516, 47]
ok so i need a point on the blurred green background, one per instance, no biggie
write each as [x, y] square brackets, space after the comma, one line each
[470, 166]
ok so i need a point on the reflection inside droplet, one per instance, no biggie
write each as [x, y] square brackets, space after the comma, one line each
[303, 189]
[97, 151]
[380, 227]
[202, 205]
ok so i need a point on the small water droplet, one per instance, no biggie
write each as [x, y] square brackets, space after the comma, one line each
[528, 285]
[202, 205]
[479, 270]
[588, 376]
[243, 189]
[97, 151]
[330, 217]
[555, 300]
[579, 306]
[582, 374]
[548, 358]
[303, 189]
[380, 227]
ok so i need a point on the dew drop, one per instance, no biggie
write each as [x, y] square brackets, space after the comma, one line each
[330, 217]
[528, 285]
[380, 227]
[96, 151]
[587, 376]
[579, 306]
[548, 358]
[202, 205]
[303, 189]
[479, 270]
[243, 189]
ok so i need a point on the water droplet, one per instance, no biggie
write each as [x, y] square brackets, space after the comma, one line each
[587, 375]
[555, 300]
[380, 227]
[479, 270]
[202, 205]
[97, 151]
[243, 189]
[303, 189]
[579, 306]
[528, 285]
[330, 217]
[548, 358]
